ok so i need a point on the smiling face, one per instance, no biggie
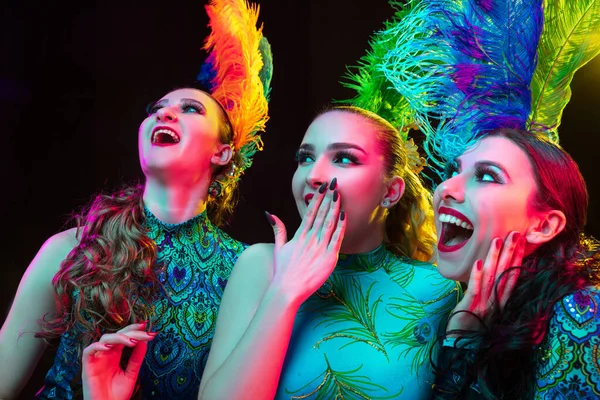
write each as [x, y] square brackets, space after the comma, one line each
[490, 192]
[343, 145]
[180, 135]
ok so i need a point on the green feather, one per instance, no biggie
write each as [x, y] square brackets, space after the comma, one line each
[571, 38]
[374, 92]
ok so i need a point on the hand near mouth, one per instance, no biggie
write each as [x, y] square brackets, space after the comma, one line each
[304, 263]
[489, 286]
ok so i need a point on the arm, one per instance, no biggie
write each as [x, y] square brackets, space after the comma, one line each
[252, 334]
[19, 349]
[567, 365]
[260, 302]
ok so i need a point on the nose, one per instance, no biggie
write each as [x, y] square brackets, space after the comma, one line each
[452, 190]
[166, 114]
[317, 175]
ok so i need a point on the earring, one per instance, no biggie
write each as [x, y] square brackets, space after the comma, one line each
[386, 203]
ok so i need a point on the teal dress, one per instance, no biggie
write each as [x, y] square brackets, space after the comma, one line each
[195, 260]
[367, 333]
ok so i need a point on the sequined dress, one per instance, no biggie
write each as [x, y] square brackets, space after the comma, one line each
[368, 331]
[196, 259]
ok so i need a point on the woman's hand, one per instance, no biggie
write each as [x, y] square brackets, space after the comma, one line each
[102, 375]
[480, 297]
[304, 263]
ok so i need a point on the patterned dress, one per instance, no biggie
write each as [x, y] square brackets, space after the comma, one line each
[196, 259]
[568, 360]
[368, 331]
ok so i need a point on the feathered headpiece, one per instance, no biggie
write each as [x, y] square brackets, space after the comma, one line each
[373, 91]
[238, 74]
[467, 67]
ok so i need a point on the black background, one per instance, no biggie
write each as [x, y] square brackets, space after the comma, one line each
[75, 79]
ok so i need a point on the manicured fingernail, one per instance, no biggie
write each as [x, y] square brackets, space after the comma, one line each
[479, 265]
[323, 188]
[515, 237]
[336, 195]
[270, 218]
[333, 184]
[144, 323]
[134, 341]
[152, 333]
[109, 345]
[342, 215]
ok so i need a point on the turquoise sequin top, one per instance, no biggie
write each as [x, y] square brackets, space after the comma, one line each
[368, 331]
[196, 259]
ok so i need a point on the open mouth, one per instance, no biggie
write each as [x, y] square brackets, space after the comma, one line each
[164, 137]
[456, 230]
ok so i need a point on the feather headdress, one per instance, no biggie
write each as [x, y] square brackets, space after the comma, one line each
[238, 72]
[467, 67]
[373, 91]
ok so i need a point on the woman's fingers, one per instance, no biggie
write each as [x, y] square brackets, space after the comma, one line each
[489, 271]
[507, 284]
[331, 220]
[338, 235]
[311, 212]
[323, 212]
[94, 348]
[136, 360]
[278, 230]
[129, 339]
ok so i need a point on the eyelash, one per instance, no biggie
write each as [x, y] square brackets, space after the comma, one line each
[153, 108]
[480, 172]
[303, 154]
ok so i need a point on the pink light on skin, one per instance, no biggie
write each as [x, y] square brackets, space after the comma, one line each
[343, 145]
[179, 148]
[492, 190]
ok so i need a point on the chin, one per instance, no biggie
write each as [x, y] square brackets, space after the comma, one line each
[452, 271]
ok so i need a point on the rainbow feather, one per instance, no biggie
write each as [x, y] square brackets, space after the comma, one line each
[571, 38]
[236, 63]
[464, 68]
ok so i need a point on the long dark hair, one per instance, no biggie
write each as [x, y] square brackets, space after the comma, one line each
[505, 361]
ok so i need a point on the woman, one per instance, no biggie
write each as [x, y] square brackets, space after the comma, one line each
[122, 240]
[528, 326]
[300, 321]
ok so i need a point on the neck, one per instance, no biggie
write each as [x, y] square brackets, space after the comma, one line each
[175, 202]
[364, 241]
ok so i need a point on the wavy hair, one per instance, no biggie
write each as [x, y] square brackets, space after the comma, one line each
[505, 361]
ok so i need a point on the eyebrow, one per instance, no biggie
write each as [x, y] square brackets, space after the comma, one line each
[164, 102]
[334, 147]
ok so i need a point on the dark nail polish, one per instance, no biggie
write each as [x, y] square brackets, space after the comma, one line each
[323, 188]
[336, 195]
[342, 215]
[270, 218]
[333, 184]
[515, 237]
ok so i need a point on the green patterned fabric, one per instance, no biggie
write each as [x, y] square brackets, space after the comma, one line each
[196, 259]
[368, 331]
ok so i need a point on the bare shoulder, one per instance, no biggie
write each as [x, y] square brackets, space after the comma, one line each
[52, 253]
[256, 263]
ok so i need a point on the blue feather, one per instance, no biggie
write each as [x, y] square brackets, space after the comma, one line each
[465, 67]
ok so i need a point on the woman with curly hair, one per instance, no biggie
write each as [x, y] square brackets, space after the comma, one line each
[152, 255]
[350, 306]
[529, 325]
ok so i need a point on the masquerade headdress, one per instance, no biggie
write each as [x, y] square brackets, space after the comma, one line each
[238, 74]
[468, 67]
